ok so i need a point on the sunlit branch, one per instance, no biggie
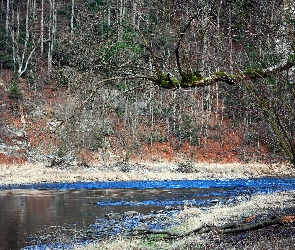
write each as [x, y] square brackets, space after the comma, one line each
[227, 78]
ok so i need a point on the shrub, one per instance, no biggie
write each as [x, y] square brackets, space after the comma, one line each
[14, 91]
[185, 167]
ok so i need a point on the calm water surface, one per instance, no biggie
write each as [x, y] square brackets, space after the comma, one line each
[27, 209]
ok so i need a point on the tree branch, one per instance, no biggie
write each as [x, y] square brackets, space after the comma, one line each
[225, 77]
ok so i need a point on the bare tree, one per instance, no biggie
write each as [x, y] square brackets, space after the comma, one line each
[51, 33]
[7, 17]
[42, 28]
[23, 49]
[72, 17]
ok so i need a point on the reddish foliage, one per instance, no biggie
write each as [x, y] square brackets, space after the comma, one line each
[6, 159]
[222, 146]
[156, 151]
[288, 219]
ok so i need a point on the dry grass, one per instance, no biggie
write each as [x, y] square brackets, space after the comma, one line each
[35, 173]
[220, 214]
[217, 215]
[194, 217]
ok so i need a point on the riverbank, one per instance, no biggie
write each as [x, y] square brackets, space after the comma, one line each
[36, 173]
[259, 206]
[257, 209]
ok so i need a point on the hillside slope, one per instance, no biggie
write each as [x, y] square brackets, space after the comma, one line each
[28, 134]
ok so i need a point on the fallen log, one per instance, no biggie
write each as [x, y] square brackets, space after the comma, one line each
[223, 229]
[245, 227]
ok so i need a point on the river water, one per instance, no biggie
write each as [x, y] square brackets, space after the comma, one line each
[29, 211]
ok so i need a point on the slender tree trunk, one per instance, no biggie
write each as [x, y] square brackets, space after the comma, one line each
[34, 9]
[21, 60]
[121, 7]
[14, 43]
[152, 114]
[7, 17]
[109, 16]
[217, 103]
[230, 41]
[42, 28]
[72, 17]
[51, 35]
[134, 13]
[174, 111]
[18, 22]
[27, 20]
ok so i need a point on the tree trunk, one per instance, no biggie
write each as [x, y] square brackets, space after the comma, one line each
[51, 35]
[42, 28]
[34, 9]
[72, 17]
[21, 60]
[7, 17]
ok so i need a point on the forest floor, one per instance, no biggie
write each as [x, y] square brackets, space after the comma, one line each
[30, 173]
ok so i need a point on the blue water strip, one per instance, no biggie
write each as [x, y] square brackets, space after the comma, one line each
[282, 184]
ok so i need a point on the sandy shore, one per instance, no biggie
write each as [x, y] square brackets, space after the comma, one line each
[36, 173]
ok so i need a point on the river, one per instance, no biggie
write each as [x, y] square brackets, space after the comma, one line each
[28, 212]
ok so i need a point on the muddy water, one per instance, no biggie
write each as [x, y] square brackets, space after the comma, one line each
[26, 210]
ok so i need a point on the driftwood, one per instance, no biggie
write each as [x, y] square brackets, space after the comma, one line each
[223, 229]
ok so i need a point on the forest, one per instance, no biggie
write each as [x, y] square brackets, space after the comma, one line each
[146, 80]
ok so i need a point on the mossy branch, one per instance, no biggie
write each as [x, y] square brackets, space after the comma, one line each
[192, 81]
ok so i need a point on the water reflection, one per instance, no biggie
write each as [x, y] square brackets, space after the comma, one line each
[25, 212]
